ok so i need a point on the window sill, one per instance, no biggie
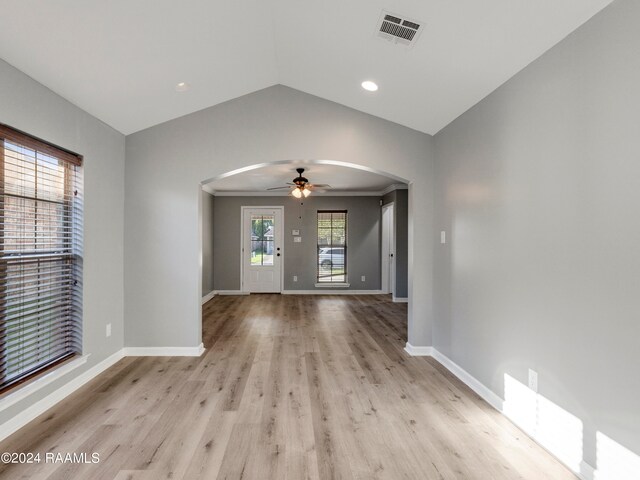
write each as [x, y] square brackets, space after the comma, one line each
[28, 388]
[333, 285]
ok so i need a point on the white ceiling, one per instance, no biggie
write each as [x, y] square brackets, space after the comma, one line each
[121, 59]
[342, 180]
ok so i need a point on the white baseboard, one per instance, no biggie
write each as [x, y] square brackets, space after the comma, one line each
[587, 472]
[164, 351]
[208, 296]
[29, 388]
[491, 398]
[230, 292]
[329, 291]
[418, 351]
[400, 300]
[49, 401]
[38, 408]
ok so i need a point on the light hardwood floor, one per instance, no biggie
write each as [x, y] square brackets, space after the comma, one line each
[290, 387]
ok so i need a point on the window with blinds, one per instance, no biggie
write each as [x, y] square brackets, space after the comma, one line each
[332, 246]
[40, 256]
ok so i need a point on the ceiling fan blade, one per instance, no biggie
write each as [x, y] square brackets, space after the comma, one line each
[279, 188]
[318, 185]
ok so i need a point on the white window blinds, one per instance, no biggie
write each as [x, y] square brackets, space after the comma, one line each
[332, 246]
[40, 256]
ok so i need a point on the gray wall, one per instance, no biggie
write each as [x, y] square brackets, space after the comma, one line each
[28, 106]
[167, 163]
[400, 199]
[538, 189]
[363, 239]
[208, 202]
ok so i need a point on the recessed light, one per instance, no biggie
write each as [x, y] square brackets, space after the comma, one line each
[369, 86]
[182, 87]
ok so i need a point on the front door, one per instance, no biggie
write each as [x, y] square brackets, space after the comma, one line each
[262, 249]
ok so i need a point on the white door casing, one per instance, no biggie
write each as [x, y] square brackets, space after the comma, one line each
[262, 249]
[388, 261]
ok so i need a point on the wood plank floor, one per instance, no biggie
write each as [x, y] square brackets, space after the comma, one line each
[290, 387]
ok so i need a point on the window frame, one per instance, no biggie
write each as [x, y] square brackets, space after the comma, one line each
[69, 253]
[324, 283]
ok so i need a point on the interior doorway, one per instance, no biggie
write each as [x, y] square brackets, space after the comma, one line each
[388, 260]
[262, 249]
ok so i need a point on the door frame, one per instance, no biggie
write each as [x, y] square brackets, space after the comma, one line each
[390, 262]
[279, 230]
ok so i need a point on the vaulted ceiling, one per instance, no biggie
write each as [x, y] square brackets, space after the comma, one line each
[120, 60]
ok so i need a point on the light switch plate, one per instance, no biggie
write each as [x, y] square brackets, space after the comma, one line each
[443, 237]
[295, 232]
[297, 239]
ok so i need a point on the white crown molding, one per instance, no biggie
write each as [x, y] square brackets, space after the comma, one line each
[330, 193]
[395, 186]
[286, 194]
[164, 351]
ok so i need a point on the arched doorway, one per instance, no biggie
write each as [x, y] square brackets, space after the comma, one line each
[238, 178]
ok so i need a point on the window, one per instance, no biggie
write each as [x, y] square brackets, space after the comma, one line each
[332, 246]
[40, 256]
[262, 240]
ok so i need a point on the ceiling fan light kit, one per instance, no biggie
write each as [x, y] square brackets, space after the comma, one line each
[300, 186]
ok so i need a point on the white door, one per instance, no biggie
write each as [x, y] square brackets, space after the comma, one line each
[262, 249]
[388, 250]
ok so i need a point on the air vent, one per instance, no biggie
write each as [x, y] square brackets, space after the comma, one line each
[398, 29]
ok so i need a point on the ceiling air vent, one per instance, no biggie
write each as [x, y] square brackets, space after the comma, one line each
[398, 29]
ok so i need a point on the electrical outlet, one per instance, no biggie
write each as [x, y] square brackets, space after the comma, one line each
[533, 380]
[295, 278]
[108, 329]
[363, 278]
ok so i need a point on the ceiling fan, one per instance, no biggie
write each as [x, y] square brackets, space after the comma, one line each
[300, 186]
